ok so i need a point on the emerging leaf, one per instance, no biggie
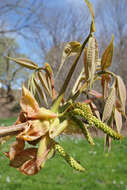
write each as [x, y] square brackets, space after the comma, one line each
[43, 82]
[23, 157]
[97, 60]
[25, 63]
[95, 110]
[71, 49]
[118, 120]
[105, 82]
[106, 60]
[90, 6]
[25, 161]
[31, 107]
[34, 131]
[58, 129]
[91, 58]
[48, 69]
[43, 113]
[29, 167]
[107, 142]
[85, 64]
[121, 92]
[43, 150]
[109, 104]
[54, 125]
[31, 85]
[95, 93]
[16, 148]
[28, 102]
[40, 91]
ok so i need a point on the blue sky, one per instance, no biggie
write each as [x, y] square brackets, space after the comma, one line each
[75, 4]
[26, 47]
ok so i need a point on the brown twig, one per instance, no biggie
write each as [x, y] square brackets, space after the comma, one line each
[11, 130]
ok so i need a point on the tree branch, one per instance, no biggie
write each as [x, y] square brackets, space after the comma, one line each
[10, 130]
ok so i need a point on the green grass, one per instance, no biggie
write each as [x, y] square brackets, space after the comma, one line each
[7, 121]
[104, 172]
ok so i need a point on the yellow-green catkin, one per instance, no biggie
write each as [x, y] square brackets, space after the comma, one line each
[73, 163]
[99, 124]
[84, 130]
[84, 107]
[88, 136]
[84, 111]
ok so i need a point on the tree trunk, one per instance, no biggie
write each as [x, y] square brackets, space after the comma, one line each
[10, 95]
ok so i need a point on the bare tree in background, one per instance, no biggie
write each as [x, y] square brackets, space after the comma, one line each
[17, 17]
[57, 27]
[46, 27]
[112, 16]
[10, 74]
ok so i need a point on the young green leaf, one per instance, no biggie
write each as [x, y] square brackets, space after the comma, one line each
[106, 60]
[43, 82]
[40, 91]
[109, 104]
[43, 147]
[68, 78]
[122, 92]
[57, 129]
[31, 84]
[96, 53]
[70, 49]
[48, 69]
[95, 110]
[78, 82]
[95, 93]
[48, 81]
[107, 142]
[90, 6]
[105, 82]
[85, 64]
[118, 120]
[91, 58]
[25, 63]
